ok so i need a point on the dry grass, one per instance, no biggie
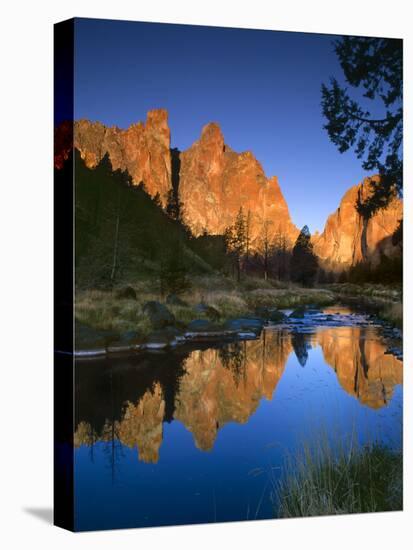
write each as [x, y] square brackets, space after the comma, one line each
[103, 310]
[381, 292]
[385, 301]
[289, 298]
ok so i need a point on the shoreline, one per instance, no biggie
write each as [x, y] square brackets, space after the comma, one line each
[307, 324]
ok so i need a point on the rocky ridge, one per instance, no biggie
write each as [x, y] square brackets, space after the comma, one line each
[214, 182]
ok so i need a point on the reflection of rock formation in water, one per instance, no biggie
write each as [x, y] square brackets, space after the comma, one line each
[84, 434]
[362, 366]
[141, 425]
[220, 387]
[205, 389]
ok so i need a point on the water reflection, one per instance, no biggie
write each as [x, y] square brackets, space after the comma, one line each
[128, 402]
[221, 386]
[361, 364]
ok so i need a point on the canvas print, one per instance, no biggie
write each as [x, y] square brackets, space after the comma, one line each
[228, 218]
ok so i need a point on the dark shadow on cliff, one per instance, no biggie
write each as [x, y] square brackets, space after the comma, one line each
[175, 169]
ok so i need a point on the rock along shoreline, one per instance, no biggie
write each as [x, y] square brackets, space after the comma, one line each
[303, 320]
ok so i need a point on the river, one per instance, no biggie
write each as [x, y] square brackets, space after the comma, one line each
[199, 434]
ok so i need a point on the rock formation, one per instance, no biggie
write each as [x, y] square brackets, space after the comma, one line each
[347, 239]
[214, 182]
[143, 149]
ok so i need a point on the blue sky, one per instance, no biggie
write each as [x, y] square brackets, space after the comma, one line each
[262, 87]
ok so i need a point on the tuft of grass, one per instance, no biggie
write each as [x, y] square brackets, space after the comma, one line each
[103, 311]
[393, 313]
[347, 480]
[185, 314]
[229, 304]
[288, 298]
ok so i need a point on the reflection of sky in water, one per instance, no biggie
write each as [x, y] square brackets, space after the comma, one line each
[231, 481]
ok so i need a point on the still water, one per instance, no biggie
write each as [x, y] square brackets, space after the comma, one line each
[198, 434]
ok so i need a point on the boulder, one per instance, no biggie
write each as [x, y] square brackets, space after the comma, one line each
[245, 324]
[174, 300]
[207, 310]
[130, 336]
[200, 325]
[276, 316]
[162, 338]
[126, 293]
[127, 341]
[159, 315]
[297, 313]
[270, 314]
[88, 338]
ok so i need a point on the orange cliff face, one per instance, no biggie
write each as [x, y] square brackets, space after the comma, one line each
[143, 149]
[215, 182]
[347, 239]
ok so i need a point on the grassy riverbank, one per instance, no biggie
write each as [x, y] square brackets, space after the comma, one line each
[353, 480]
[386, 301]
[225, 299]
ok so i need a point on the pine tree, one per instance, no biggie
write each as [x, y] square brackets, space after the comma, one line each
[265, 247]
[239, 240]
[247, 235]
[304, 263]
[374, 66]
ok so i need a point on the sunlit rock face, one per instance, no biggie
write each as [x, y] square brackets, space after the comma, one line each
[141, 425]
[218, 387]
[347, 239]
[215, 182]
[362, 366]
[143, 149]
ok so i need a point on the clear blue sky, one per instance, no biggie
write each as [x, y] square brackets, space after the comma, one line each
[262, 87]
